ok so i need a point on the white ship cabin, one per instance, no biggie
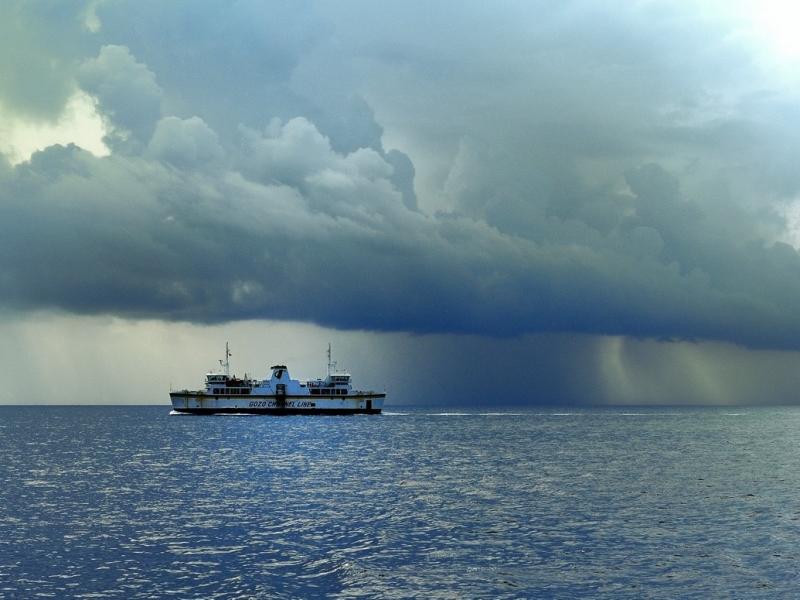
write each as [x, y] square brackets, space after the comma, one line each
[220, 384]
[335, 384]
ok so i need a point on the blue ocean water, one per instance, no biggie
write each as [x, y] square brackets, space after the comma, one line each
[130, 502]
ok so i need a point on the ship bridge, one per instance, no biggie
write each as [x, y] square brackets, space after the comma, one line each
[338, 379]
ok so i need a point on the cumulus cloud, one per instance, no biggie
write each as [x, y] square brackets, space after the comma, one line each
[126, 92]
[184, 143]
[557, 170]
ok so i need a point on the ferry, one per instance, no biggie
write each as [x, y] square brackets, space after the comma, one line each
[278, 394]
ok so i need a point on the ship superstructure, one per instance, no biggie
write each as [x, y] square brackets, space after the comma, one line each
[277, 394]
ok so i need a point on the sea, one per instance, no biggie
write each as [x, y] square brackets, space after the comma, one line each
[419, 502]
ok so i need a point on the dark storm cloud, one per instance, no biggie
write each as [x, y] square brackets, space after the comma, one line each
[605, 173]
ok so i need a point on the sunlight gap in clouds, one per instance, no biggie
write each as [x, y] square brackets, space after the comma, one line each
[771, 27]
[79, 124]
[775, 22]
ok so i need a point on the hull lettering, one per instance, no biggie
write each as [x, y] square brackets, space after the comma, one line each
[289, 404]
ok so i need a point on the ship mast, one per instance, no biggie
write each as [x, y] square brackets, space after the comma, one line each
[329, 359]
[226, 363]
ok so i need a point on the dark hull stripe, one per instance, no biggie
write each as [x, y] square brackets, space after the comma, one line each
[193, 395]
[280, 411]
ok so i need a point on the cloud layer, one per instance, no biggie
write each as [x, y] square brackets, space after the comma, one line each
[407, 168]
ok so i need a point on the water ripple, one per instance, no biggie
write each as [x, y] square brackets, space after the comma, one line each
[128, 503]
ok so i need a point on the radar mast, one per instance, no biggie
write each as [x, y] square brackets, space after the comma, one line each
[226, 363]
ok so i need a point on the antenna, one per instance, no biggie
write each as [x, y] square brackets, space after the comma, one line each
[227, 362]
[329, 359]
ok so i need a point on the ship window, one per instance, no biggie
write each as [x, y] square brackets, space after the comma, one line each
[314, 392]
[278, 373]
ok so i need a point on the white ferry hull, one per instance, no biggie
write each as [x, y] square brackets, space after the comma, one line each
[203, 403]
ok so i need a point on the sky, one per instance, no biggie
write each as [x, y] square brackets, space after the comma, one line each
[563, 203]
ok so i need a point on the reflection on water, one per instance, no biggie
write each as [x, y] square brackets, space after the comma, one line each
[132, 503]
